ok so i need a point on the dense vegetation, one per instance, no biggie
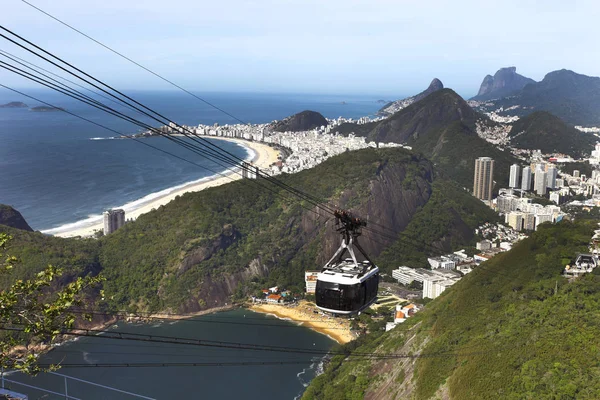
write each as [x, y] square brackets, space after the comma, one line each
[445, 223]
[542, 130]
[514, 328]
[443, 127]
[202, 248]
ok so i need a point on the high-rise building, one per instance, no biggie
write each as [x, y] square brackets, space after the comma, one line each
[575, 173]
[513, 180]
[528, 221]
[540, 182]
[249, 170]
[526, 179]
[113, 220]
[484, 178]
[551, 177]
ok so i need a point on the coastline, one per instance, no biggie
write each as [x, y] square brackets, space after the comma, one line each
[262, 156]
[336, 328]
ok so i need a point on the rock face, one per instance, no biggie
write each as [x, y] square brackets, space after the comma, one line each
[398, 105]
[505, 82]
[11, 217]
[303, 121]
[14, 104]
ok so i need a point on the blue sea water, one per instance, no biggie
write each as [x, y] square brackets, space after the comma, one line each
[285, 381]
[55, 175]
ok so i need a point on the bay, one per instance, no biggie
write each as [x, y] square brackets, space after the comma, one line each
[187, 382]
[54, 174]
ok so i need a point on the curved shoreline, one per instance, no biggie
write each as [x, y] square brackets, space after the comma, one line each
[335, 328]
[262, 156]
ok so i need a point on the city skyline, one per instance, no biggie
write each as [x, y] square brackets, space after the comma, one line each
[360, 47]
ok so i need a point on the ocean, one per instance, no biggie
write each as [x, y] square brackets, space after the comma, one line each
[60, 171]
[286, 381]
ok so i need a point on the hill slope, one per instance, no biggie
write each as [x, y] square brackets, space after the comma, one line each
[303, 121]
[502, 332]
[544, 131]
[11, 217]
[204, 249]
[505, 82]
[398, 105]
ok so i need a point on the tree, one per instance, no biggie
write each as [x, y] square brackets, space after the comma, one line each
[31, 313]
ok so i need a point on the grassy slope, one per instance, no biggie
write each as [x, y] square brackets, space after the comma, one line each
[500, 333]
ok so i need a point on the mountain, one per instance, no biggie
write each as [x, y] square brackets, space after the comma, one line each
[505, 82]
[514, 328]
[303, 121]
[574, 98]
[444, 128]
[425, 116]
[544, 131]
[206, 249]
[11, 217]
[398, 105]
[14, 104]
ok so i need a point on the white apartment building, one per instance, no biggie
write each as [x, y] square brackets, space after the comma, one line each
[513, 180]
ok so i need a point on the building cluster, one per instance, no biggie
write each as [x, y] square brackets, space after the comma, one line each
[434, 281]
[401, 313]
[542, 175]
[521, 214]
[495, 134]
[273, 295]
[503, 236]
[308, 148]
[113, 220]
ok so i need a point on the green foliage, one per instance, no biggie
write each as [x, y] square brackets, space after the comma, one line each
[30, 314]
[548, 133]
[504, 331]
[446, 222]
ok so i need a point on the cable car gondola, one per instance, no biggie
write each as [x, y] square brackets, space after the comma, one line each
[345, 285]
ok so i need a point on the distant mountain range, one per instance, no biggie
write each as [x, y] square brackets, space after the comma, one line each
[303, 121]
[398, 105]
[505, 82]
[575, 98]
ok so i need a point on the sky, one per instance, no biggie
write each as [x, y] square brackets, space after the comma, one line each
[375, 47]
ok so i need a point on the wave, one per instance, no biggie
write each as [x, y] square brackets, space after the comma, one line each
[96, 219]
[105, 138]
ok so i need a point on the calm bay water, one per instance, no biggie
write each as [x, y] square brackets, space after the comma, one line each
[225, 382]
[54, 174]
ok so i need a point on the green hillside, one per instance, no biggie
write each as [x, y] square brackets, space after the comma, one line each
[548, 133]
[512, 329]
[442, 126]
[204, 249]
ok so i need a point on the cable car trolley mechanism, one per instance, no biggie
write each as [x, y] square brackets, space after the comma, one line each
[345, 285]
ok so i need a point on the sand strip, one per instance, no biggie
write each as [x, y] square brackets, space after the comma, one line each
[337, 329]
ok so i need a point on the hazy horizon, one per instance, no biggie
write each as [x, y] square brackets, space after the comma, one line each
[379, 48]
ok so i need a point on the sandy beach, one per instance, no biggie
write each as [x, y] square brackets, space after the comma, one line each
[264, 156]
[336, 328]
